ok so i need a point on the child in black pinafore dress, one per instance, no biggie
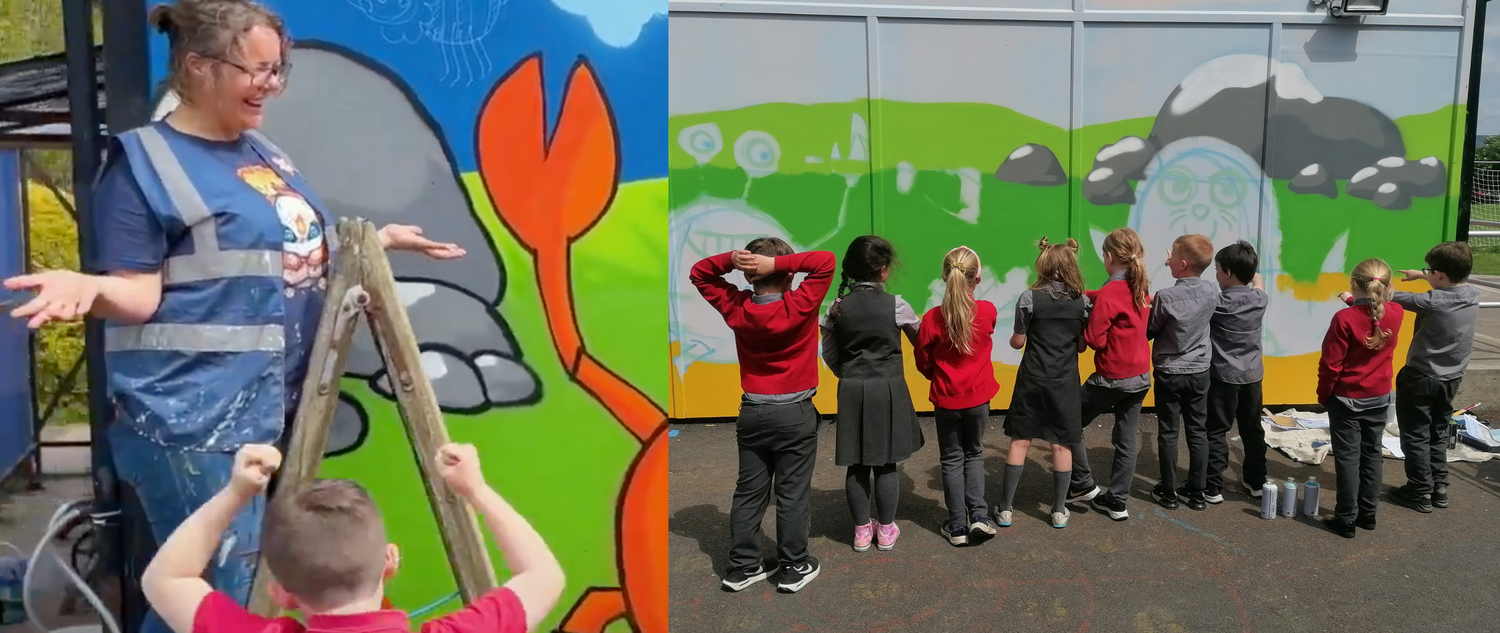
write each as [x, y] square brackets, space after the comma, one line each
[877, 425]
[1050, 318]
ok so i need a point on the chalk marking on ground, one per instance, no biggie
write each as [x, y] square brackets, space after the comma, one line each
[1190, 528]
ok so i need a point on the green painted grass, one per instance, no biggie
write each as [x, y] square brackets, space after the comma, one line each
[561, 463]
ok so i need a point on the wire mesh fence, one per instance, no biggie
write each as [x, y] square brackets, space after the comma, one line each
[1484, 211]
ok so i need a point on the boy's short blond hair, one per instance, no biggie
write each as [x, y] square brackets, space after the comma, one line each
[325, 543]
[1196, 250]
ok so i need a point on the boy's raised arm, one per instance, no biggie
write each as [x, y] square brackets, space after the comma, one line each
[173, 582]
[708, 277]
[536, 577]
[818, 265]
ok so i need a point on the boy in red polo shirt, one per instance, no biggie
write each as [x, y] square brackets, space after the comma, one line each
[326, 546]
[776, 338]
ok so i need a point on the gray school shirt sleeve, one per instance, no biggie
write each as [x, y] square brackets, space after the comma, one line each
[830, 344]
[1443, 338]
[1413, 301]
[1023, 312]
[907, 319]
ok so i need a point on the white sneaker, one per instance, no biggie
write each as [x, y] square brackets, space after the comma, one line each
[1214, 499]
[1251, 490]
[1060, 519]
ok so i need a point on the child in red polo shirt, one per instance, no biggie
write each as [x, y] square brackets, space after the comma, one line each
[1354, 385]
[776, 338]
[1122, 370]
[325, 544]
[953, 348]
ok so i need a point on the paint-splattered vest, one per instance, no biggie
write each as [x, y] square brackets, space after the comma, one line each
[207, 372]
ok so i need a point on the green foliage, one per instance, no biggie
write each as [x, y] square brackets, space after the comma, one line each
[1490, 150]
[53, 241]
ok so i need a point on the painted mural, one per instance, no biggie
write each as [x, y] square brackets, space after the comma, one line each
[527, 131]
[1333, 148]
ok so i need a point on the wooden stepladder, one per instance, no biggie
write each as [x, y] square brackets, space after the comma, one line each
[361, 281]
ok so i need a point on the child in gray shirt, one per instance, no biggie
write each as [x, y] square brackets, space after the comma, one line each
[1435, 364]
[1234, 393]
[1180, 357]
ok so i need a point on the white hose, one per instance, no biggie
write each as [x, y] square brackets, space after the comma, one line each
[60, 519]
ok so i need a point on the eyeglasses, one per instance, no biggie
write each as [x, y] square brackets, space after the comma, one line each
[1428, 271]
[262, 76]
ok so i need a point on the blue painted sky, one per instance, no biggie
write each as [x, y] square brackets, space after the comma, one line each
[624, 40]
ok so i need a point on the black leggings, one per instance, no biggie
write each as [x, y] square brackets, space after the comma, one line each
[887, 491]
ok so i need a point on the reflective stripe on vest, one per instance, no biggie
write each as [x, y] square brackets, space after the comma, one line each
[207, 262]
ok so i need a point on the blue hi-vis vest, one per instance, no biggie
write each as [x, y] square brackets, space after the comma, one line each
[207, 371]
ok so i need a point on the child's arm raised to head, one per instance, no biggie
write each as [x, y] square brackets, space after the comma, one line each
[536, 578]
[173, 582]
[809, 295]
[708, 277]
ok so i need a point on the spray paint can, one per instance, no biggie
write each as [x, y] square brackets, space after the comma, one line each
[1268, 500]
[1310, 497]
[1289, 498]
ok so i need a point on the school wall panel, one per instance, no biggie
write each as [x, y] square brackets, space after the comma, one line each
[770, 136]
[1321, 142]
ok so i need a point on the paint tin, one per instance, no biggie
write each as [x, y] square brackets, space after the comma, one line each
[1268, 500]
[12, 576]
[1310, 497]
[1289, 498]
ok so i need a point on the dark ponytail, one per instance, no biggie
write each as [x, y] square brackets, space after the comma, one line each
[867, 256]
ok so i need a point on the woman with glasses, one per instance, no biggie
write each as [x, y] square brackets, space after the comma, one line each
[214, 255]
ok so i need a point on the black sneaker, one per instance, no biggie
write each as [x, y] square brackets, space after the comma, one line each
[1339, 527]
[1440, 496]
[957, 536]
[1253, 491]
[1365, 522]
[1193, 500]
[1108, 504]
[1085, 495]
[794, 578]
[1166, 497]
[1213, 497]
[738, 579]
[1404, 496]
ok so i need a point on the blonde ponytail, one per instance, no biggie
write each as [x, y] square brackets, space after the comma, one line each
[1125, 244]
[961, 273]
[1373, 278]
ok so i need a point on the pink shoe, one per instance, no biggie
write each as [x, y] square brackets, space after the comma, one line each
[885, 538]
[862, 536]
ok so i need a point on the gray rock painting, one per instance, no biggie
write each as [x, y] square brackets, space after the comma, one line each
[372, 152]
[1316, 140]
[1032, 164]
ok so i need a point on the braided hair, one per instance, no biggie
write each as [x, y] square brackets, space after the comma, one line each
[867, 257]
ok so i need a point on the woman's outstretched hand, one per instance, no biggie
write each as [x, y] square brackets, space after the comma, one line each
[61, 295]
[405, 237]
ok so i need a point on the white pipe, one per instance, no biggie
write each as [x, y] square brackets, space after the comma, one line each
[60, 519]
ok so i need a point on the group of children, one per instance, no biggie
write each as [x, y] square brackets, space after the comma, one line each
[326, 547]
[1197, 341]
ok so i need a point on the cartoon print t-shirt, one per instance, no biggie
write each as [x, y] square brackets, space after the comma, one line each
[134, 240]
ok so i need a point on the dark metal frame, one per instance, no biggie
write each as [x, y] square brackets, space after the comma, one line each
[1471, 124]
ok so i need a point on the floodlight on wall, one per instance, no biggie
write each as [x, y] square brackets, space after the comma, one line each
[1355, 8]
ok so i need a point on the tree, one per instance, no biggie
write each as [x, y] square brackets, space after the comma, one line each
[1490, 150]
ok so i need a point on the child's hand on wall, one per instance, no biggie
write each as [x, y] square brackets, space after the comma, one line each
[253, 466]
[459, 466]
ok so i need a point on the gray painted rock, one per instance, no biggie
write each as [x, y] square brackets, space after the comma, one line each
[370, 151]
[1425, 178]
[1391, 196]
[1127, 157]
[1104, 186]
[1032, 164]
[1380, 183]
[1314, 179]
[1226, 99]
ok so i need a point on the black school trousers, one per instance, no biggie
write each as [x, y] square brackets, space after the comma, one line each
[1424, 408]
[778, 445]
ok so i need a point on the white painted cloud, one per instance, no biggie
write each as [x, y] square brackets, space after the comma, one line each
[617, 22]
